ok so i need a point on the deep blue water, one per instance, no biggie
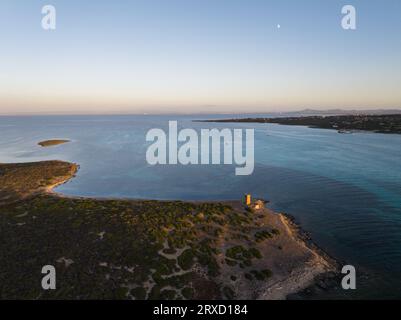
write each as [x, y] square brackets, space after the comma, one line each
[345, 189]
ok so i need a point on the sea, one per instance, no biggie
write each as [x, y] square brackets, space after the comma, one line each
[343, 189]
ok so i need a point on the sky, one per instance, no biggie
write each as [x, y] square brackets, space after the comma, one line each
[191, 56]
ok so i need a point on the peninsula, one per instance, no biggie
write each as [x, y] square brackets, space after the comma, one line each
[387, 123]
[144, 249]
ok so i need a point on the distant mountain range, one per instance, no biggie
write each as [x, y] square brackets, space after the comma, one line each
[335, 112]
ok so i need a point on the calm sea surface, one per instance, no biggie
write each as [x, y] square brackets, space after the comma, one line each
[345, 189]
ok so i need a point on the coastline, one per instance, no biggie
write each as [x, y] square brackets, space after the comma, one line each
[293, 261]
[343, 124]
[323, 270]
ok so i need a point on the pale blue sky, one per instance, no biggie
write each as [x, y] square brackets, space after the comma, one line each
[198, 56]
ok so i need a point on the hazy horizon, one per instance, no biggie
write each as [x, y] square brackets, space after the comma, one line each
[198, 57]
[295, 111]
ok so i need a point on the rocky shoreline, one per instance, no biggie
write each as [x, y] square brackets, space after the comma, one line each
[326, 281]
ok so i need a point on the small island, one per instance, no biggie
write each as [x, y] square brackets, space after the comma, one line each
[145, 249]
[51, 143]
[343, 123]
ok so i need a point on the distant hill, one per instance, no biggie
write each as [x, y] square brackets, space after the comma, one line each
[335, 112]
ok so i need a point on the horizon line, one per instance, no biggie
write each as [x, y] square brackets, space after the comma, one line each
[310, 110]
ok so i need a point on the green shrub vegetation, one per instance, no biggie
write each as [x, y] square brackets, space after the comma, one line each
[112, 244]
[187, 293]
[186, 259]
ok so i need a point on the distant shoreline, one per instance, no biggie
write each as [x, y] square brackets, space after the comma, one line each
[304, 112]
[387, 124]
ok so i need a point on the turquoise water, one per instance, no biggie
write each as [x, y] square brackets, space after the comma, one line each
[344, 189]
